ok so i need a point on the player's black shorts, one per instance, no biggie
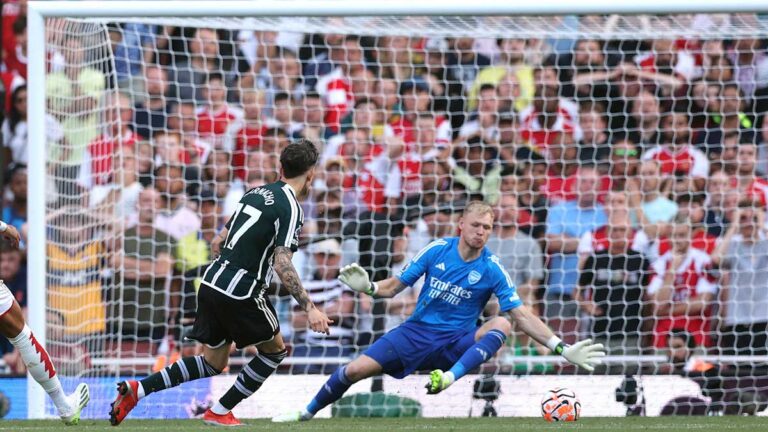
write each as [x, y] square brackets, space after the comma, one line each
[222, 319]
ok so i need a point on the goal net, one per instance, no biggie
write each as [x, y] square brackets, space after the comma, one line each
[623, 155]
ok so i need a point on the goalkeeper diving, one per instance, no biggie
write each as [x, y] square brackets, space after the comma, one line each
[442, 335]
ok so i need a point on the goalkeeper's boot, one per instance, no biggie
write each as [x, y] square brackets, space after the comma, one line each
[127, 398]
[77, 401]
[214, 419]
[439, 381]
[292, 416]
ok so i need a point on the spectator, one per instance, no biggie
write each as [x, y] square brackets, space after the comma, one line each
[716, 218]
[464, 64]
[183, 122]
[549, 116]
[687, 165]
[151, 115]
[479, 174]
[117, 137]
[587, 71]
[518, 253]
[749, 182]
[484, 122]
[218, 177]
[15, 128]
[743, 254]
[645, 119]
[76, 79]
[282, 114]
[610, 290]
[730, 119]
[655, 210]
[309, 117]
[335, 300]
[173, 216]
[691, 207]
[133, 47]
[15, 58]
[74, 268]
[666, 66]
[248, 138]
[624, 163]
[217, 120]
[145, 264]
[594, 147]
[617, 207]
[120, 195]
[274, 140]
[417, 99]
[261, 168]
[566, 223]
[368, 171]
[335, 87]
[15, 213]
[682, 288]
[512, 62]
[284, 75]
[322, 62]
[750, 67]
[188, 77]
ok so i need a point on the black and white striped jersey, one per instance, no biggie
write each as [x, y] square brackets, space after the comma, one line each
[266, 217]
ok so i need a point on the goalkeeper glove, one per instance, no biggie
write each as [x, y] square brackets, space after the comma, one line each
[357, 279]
[584, 353]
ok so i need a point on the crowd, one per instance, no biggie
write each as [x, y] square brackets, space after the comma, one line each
[627, 176]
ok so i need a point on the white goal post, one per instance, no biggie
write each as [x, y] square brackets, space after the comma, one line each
[39, 11]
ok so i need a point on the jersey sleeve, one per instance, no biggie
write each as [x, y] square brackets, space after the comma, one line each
[504, 287]
[419, 263]
[289, 223]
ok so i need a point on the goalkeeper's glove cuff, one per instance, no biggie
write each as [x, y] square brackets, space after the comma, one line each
[373, 289]
[556, 345]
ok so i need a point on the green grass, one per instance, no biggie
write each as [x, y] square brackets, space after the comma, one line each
[390, 425]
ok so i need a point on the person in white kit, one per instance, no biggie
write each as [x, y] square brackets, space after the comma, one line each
[34, 355]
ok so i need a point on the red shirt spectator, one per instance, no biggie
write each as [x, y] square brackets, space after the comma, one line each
[336, 91]
[217, 122]
[680, 160]
[692, 282]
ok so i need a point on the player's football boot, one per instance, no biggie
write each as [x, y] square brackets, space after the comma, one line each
[127, 398]
[214, 419]
[77, 400]
[291, 416]
[437, 382]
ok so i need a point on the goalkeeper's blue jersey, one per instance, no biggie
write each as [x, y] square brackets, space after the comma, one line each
[455, 292]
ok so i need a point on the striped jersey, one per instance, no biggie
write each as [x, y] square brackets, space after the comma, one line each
[266, 217]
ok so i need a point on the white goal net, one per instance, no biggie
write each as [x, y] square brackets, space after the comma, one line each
[624, 155]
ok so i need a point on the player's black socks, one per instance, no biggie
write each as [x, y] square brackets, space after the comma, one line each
[252, 377]
[185, 369]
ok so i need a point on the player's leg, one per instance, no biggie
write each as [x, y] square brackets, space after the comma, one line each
[253, 375]
[207, 330]
[37, 360]
[488, 339]
[211, 363]
[333, 389]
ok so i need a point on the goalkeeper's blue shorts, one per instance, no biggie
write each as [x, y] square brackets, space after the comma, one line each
[414, 347]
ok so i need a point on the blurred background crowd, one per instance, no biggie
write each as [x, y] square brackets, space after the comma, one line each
[627, 177]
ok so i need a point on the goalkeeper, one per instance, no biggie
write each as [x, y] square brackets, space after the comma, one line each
[442, 334]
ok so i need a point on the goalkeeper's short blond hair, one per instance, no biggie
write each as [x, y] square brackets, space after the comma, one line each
[478, 207]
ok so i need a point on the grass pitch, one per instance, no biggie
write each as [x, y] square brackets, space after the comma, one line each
[505, 424]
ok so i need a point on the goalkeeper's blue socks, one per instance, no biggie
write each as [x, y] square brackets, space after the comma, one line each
[477, 354]
[329, 393]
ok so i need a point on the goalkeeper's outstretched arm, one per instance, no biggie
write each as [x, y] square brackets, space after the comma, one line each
[584, 353]
[356, 278]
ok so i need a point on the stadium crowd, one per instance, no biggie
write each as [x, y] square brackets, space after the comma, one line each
[627, 177]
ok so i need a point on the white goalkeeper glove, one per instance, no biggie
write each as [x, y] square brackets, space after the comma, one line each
[357, 279]
[584, 353]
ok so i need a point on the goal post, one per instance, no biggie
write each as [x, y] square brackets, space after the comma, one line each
[247, 15]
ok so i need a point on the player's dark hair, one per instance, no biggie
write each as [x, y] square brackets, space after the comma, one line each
[298, 158]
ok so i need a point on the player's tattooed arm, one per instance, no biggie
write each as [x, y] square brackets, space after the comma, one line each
[290, 278]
